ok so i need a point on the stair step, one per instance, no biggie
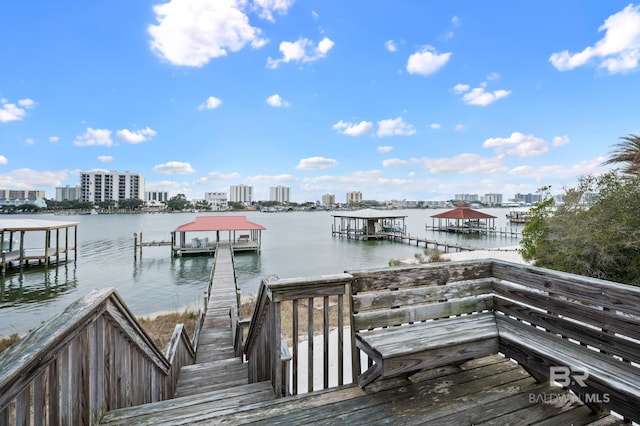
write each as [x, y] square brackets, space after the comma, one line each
[211, 376]
[179, 410]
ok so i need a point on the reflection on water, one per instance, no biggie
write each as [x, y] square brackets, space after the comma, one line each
[17, 288]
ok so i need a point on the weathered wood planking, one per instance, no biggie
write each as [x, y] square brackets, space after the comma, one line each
[91, 358]
[266, 359]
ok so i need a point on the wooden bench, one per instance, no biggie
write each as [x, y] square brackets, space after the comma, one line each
[577, 332]
[412, 318]
[243, 238]
[584, 329]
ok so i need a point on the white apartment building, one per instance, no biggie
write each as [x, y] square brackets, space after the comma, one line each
[217, 200]
[491, 199]
[71, 193]
[279, 193]
[354, 197]
[101, 185]
[328, 199]
[158, 196]
[241, 194]
[21, 194]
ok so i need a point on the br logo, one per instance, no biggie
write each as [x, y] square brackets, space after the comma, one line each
[566, 376]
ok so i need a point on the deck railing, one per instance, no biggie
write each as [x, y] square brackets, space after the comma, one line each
[91, 358]
[286, 307]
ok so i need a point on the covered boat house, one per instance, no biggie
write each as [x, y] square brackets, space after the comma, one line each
[20, 245]
[463, 220]
[368, 224]
[206, 233]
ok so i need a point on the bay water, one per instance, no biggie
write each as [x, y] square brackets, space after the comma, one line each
[295, 244]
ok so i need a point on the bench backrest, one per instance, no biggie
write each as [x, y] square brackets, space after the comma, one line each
[402, 295]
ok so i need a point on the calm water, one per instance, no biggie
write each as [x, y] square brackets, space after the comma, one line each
[294, 244]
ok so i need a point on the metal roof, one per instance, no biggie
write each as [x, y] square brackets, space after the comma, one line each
[369, 214]
[220, 223]
[463, 213]
[33, 224]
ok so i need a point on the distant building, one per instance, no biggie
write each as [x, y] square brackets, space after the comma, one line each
[241, 194]
[21, 194]
[280, 194]
[97, 186]
[217, 200]
[71, 193]
[328, 199]
[354, 197]
[467, 198]
[491, 199]
[528, 199]
[158, 196]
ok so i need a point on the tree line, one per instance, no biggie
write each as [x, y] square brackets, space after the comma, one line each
[596, 230]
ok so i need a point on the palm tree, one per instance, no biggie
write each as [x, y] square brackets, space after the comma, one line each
[627, 153]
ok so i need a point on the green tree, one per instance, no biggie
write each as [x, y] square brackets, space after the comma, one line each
[595, 232]
[178, 203]
[627, 153]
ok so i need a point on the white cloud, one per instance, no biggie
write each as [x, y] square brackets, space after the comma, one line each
[465, 163]
[277, 101]
[518, 145]
[558, 171]
[3, 160]
[105, 158]
[390, 45]
[54, 139]
[395, 127]
[192, 32]
[316, 163]
[29, 141]
[351, 129]
[94, 137]
[426, 61]
[301, 51]
[384, 149]
[315, 15]
[174, 168]
[217, 177]
[211, 103]
[29, 178]
[396, 162]
[267, 7]
[493, 76]
[136, 136]
[460, 88]
[459, 127]
[478, 95]
[13, 112]
[434, 126]
[560, 140]
[618, 50]
[455, 21]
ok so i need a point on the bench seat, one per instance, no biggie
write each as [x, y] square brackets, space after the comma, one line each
[607, 380]
[412, 347]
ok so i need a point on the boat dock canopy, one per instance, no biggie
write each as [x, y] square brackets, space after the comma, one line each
[463, 220]
[368, 224]
[12, 241]
[249, 238]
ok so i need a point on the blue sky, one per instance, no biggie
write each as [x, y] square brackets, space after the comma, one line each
[396, 99]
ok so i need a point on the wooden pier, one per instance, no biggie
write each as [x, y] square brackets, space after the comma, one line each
[88, 366]
[55, 248]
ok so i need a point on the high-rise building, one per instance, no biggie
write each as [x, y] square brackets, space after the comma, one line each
[467, 198]
[159, 196]
[491, 199]
[21, 194]
[96, 186]
[328, 199]
[241, 194]
[71, 193]
[528, 199]
[279, 193]
[217, 200]
[354, 197]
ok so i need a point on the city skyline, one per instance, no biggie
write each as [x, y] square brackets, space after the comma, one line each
[406, 101]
